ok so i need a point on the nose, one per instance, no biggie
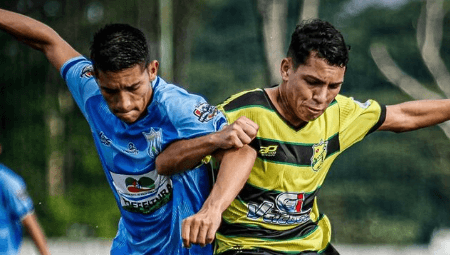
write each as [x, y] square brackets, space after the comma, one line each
[320, 95]
[123, 102]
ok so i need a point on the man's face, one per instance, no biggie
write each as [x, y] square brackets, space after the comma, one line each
[308, 90]
[128, 92]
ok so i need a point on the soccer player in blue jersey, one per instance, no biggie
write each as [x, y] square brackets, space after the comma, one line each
[133, 115]
[16, 209]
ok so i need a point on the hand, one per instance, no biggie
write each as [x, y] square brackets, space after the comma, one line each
[237, 134]
[201, 227]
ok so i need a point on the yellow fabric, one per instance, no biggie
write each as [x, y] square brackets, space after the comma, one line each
[289, 170]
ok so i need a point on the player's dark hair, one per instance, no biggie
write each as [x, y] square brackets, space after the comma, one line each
[118, 46]
[320, 37]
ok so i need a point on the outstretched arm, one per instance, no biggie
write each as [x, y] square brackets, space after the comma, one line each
[33, 228]
[414, 115]
[38, 36]
[234, 171]
[185, 154]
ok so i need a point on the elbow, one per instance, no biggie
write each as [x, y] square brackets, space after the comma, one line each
[160, 167]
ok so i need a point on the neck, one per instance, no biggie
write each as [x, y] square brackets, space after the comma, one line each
[279, 100]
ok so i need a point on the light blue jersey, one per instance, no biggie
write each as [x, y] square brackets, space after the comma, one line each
[152, 206]
[15, 204]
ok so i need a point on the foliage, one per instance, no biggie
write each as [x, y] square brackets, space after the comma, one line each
[390, 188]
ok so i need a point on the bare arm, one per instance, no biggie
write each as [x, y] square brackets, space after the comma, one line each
[185, 154]
[38, 36]
[234, 171]
[414, 115]
[36, 233]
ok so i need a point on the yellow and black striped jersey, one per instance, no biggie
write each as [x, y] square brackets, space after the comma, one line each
[277, 208]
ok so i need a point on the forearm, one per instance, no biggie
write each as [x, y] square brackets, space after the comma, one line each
[38, 36]
[234, 171]
[33, 228]
[26, 29]
[414, 115]
[184, 154]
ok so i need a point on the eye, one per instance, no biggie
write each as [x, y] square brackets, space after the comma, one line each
[134, 87]
[109, 91]
[335, 86]
[312, 82]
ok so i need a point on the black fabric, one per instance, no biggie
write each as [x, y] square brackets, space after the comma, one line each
[330, 250]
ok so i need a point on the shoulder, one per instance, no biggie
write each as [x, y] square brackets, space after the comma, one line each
[246, 99]
[80, 65]
[166, 93]
[9, 179]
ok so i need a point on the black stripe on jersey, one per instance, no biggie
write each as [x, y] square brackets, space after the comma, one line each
[250, 193]
[244, 230]
[247, 100]
[291, 153]
[329, 250]
[380, 120]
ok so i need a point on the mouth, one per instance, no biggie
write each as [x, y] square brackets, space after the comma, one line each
[125, 116]
[315, 110]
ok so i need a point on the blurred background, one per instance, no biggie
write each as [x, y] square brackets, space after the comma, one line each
[391, 190]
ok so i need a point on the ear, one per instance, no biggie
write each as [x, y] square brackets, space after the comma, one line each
[286, 64]
[152, 69]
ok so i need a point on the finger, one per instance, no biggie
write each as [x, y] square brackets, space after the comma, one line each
[210, 235]
[185, 233]
[195, 226]
[201, 239]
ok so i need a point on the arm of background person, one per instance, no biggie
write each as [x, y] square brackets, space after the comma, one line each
[185, 154]
[38, 36]
[414, 115]
[36, 233]
[234, 171]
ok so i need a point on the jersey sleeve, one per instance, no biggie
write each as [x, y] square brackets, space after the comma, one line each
[16, 196]
[78, 75]
[191, 114]
[357, 119]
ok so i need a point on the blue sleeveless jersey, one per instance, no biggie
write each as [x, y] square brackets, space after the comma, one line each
[152, 206]
[15, 204]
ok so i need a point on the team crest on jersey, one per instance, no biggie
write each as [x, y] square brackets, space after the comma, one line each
[319, 155]
[205, 112]
[87, 72]
[289, 208]
[154, 141]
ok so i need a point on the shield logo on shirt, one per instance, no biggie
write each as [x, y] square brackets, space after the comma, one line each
[154, 141]
[319, 155]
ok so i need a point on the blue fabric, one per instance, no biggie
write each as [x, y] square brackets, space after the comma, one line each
[152, 206]
[15, 204]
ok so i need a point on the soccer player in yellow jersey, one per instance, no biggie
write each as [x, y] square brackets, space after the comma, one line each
[304, 124]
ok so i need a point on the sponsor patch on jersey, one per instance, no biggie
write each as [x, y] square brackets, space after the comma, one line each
[288, 209]
[319, 155]
[142, 193]
[104, 139]
[87, 72]
[268, 151]
[154, 141]
[132, 149]
[205, 112]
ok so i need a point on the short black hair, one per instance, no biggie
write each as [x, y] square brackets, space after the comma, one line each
[118, 46]
[320, 37]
